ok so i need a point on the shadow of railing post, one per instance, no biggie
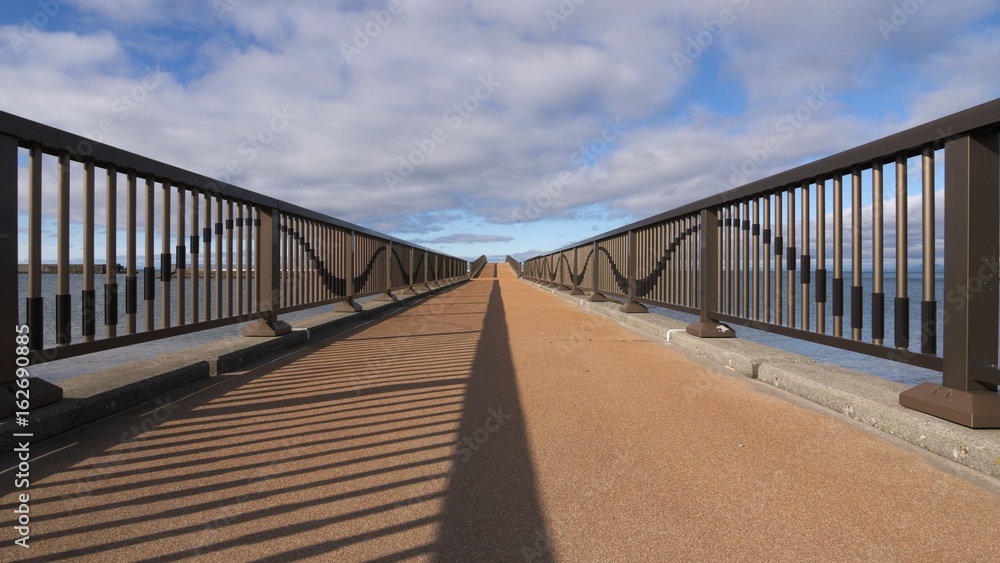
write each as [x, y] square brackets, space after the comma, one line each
[269, 278]
[968, 393]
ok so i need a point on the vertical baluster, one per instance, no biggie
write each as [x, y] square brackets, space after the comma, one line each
[720, 256]
[878, 256]
[734, 236]
[111, 255]
[149, 271]
[131, 280]
[252, 225]
[745, 287]
[35, 303]
[857, 291]
[692, 254]
[767, 258]
[219, 261]
[806, 263]
[240, 220]
[928, 307]
[258, 265]
[181, 256]
[88, 302]
[790, 257]
[230, 277]
[206, 234]
[821, 272]
[902, 305]
[285, 253]
[779, 250]
[165, 262]
[195, 260]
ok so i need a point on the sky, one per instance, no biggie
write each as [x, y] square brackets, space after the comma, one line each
[488, 127]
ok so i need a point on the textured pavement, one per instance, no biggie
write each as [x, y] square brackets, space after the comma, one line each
[492, 422]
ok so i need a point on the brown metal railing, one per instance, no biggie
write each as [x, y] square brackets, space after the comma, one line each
[226, 254]
[515, 265]
[761, 256]
[477, 266]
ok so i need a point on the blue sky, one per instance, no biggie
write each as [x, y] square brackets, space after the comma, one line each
[491, 127]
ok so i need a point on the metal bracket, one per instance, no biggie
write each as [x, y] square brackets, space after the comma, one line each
[975, 410]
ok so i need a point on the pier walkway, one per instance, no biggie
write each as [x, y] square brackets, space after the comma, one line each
[472, 426]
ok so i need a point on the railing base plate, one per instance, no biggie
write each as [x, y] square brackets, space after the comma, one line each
[710, 330]
[975, 410]
[42, 393]
[267, 328]
[348, 306]
[577, 291]
[385, 297]
[633, 307]
[597, 298]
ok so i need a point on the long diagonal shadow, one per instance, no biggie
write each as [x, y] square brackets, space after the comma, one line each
[372, 445]
[492, 508]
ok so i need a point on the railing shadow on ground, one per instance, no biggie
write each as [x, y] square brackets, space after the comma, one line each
[347, 446]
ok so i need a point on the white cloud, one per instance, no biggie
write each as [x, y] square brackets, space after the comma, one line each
[228, 71]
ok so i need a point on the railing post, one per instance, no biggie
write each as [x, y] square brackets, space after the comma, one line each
[968, 394]
[632, 267]
[408, 290]
[708, 295]
[596, 296]
[42, 392]
[576, 268]
[387, 296]
[348, 305]
[268, 275]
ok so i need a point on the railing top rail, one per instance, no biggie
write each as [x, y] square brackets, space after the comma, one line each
[910, 142]
[55, 141]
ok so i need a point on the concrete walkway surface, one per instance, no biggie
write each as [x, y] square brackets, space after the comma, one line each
[477, 425]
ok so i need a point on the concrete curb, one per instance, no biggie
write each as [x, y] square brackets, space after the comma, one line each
[93, 396]
[862, 397]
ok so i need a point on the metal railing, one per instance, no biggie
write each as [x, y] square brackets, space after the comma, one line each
[762, 256]
[477, 266]
[515, 265]
[199, 253]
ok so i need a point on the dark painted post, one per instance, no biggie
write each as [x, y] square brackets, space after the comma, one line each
[387, 296]
[632, 267]
[596, 296]
[8, 260]
[42, 392]
[576, 273]
[408, 290]
[968, 394]
[708, 295]
[348, 305]
[269, 276]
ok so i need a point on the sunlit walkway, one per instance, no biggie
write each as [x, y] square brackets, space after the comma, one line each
[479, 425]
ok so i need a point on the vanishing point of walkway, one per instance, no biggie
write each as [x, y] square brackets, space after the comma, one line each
[473, 426]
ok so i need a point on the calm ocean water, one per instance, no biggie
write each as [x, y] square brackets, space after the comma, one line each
[58, 370]
[64, 369]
